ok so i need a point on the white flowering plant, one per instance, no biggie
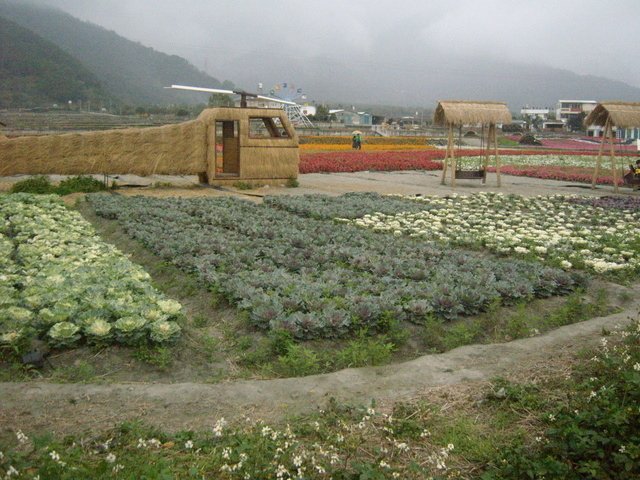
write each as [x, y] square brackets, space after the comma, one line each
[554, 229]
[59, 281]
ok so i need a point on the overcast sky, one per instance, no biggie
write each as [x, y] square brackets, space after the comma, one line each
[585, 36]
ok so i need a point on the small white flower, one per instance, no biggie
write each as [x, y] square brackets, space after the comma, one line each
[11, 471]
[188, 444]
[22, 438]
[110, 458]
[219, 427]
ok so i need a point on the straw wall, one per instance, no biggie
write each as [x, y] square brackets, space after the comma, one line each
[264, 163]
[170, 149]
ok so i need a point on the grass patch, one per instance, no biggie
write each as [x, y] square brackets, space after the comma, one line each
[292, 182]
[581, 425]
[42, 185]
[242, 185]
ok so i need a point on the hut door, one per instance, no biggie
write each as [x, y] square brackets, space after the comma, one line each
[227, 149]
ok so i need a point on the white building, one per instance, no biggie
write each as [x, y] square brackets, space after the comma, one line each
[533, 112]
[308, 110]
[566, 109]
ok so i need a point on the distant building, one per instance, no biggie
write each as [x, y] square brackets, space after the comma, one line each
[566, 109]
[308, 109]
[553, 126]
[533, 112]
[354, 118]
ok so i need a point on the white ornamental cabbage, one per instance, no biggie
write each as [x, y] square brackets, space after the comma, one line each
[98, 328]
[66, 273]
[170, 307]
[163, 331]
[64, 333]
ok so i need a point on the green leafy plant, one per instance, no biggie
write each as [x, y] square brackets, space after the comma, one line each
[42, 185]
[594, 434]
[39, 184]
[292, 182]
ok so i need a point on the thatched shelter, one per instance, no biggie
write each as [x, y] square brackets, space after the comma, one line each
[222, 146]
[609, 115]
[456, 113]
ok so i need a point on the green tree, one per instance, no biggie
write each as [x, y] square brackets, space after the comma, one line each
[575, 122]
[221, 100]
[322, 113]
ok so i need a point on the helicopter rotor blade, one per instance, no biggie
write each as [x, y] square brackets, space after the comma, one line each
[202, 89]
[277, 100]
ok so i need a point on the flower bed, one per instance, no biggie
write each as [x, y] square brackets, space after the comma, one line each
[349, 205]
[346, 140]
[565, 174]
[550, 229]
[376, 147]
[622, 203]
[362, 161]
[317, 278]
[60, 282]
[570, 166]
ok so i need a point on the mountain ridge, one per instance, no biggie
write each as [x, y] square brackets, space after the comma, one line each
[128, 71]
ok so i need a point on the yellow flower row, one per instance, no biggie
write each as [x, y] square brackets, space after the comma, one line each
[327, 147]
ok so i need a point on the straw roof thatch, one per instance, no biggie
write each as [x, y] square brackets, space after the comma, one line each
[464, 112]
[622, 114]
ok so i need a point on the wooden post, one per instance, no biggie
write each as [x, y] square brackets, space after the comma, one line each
[614, 170]
[495, 151]
[454, 161]
[485, 163]
[446, 157]
[600, 150]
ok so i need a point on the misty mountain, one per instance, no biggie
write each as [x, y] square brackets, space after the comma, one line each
[128, 71]
[36, 72]
[431, 77]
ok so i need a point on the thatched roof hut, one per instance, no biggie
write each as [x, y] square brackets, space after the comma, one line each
[465, 112]
[450, 113]
[609, 115]
[621, 114]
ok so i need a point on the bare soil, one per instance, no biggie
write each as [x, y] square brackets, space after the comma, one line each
[78, 408]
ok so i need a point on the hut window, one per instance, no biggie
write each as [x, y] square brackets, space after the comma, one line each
[266, 127]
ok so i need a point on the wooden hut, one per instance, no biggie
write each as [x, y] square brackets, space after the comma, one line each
[249, 144]
[456, 113]
[222, 146]
[609, 115]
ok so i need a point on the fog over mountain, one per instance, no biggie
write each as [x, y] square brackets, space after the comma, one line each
[407, 53]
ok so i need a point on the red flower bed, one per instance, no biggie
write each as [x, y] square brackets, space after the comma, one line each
[567, 174]
[379, 161]
[358, 161]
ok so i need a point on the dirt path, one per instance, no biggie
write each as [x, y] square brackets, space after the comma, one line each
[75, 408]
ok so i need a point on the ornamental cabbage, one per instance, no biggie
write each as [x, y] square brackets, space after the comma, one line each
[64, 334]
[163, 331]
[170, 307]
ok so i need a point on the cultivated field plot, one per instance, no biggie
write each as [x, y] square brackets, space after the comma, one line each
[600, 235]
[318, 278]
[60, 282]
